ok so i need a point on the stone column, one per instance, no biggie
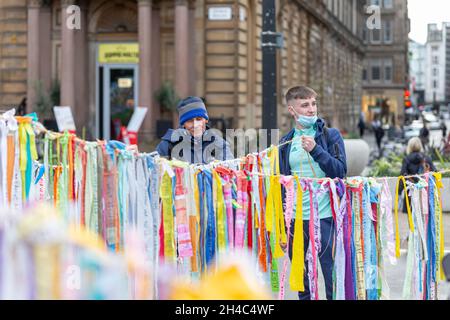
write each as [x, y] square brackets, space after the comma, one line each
[67, 58]
[156, 63]
[182, 48]
[145, 66]
[192, 42]
[81, 71]
[33, 44]
[45, 48]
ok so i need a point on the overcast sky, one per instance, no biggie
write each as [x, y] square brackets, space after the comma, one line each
[422, 12]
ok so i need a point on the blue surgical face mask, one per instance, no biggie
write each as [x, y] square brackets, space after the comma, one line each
[307, 122]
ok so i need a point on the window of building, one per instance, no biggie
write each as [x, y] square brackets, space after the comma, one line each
[387, 4]
[376, 70]
[435, 72]
[435, 84]
[364, 74]
[376, 36]
[435, 60]
[387, 28]
[388, 70]
[434, 48]
[375, 2]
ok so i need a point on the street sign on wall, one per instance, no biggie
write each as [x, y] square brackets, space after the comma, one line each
[220, 13]
[118, 53]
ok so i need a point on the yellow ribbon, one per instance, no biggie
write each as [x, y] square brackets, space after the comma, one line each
[274, 206]
[408, 208]
[274, 215]
[269, 206]
[298, 254]
[23, 155]
[169, 237]
[220, 212]
[29, 130]
[197, 199]
[273, 155]
[23, 146]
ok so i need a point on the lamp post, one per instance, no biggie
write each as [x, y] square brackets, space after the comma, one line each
[270, 41]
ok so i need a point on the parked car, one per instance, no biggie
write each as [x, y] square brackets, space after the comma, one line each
[432, 121]
[413, 130]
[445, 112]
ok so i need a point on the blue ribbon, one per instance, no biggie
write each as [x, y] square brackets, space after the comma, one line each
[28, 169]
[210, 245]
[431, 235]
[40, 173]
[370, 261]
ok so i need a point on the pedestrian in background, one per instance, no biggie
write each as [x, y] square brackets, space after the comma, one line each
[361, 125]
[424, 136]
[415, 162]
[379, 133]
[444, 129]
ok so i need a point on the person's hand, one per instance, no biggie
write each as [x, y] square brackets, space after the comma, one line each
[308, 143]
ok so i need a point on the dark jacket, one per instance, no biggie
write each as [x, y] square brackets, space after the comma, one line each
[212, 146]
[329, 152]
[413, 164]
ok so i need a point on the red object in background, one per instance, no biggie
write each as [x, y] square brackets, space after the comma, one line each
[407, 95]
[123, 136]
[128, 137]
[133, 137]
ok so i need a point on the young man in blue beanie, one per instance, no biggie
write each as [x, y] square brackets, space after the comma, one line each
[194, 141]
[315, 152]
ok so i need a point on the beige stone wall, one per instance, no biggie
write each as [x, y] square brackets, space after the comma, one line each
[228, 59]
[249, 66]
[314, 56]
[13, 52]
[233, 63]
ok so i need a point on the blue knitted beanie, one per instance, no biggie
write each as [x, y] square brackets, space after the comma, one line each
[190, 108]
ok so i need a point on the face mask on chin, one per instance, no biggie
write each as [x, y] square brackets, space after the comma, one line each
[306, 122]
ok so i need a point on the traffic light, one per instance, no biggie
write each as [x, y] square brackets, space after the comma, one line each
[407, 99]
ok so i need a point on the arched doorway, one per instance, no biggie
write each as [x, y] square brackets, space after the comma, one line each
[114, 57]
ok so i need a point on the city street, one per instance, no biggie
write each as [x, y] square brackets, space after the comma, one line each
[435, 137]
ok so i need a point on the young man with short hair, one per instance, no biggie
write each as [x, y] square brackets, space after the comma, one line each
[316, 152]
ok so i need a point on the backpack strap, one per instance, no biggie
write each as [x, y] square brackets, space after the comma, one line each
[326, 135]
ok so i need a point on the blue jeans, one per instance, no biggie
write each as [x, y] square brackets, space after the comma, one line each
[327, 230]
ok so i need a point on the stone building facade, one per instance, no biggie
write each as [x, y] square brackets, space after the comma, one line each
[124, 50]
[324, 50]
[386, 69]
